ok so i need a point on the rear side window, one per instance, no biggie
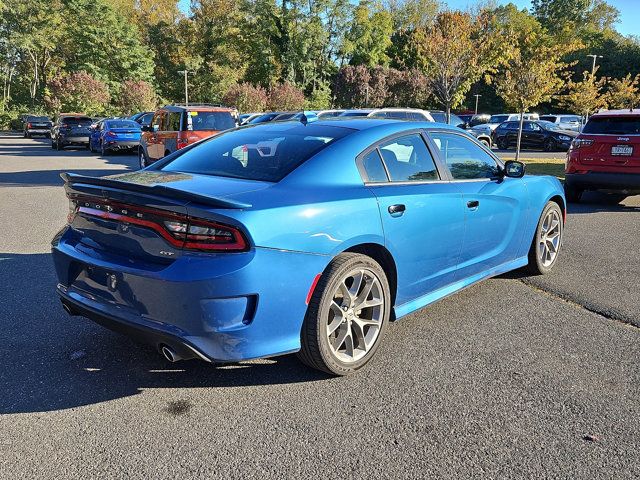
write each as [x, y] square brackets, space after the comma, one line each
[548, 118]
[267, 152]
[173, 121]
[465, 159]
[408, 159]
[201, 121]
[373, 168]
[439, 117]
[613, 125]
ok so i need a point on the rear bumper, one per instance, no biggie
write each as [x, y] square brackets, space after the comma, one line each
[603, 181]
[38, 131]
[225, 307]
[74, 140]
[122, 144]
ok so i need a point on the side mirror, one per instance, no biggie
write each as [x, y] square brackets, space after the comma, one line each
[514, 169]
[145, 128]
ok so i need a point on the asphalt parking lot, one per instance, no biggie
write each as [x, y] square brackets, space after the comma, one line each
[514, 377]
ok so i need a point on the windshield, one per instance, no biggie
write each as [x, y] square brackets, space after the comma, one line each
[613, 125]
[214, 121]
[122, 124]
[263, 118]
[548, 125]
[498, 118]
[356, 113]
[266, 152]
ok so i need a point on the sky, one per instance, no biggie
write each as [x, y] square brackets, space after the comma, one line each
[629, 11]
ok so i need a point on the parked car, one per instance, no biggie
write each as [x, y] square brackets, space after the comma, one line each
[482, 137]
[605, 156]
[71, 129]
[564, 122]
[496, 120]
[142, 118]
[37, 125]
[175, 126]
[358, 112]
[265, 117]
[325, 114]
[246, 117]
[412, 114]
[537, 135]
[115, 135]
[441, 117]
[310, 237]
[284, 116]
[471, 120]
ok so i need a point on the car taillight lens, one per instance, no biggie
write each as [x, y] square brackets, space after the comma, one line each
[179, 230]
[28, 125]
[111, 134]
[581, 142]
[182, 142]
[65, 125]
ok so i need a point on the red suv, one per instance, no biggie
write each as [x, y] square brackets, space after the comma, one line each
[605, 156]
[175, 126]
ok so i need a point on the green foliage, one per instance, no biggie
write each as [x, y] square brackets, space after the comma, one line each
[367, 41]
[624, 92]
[585, 96]
[78, 92]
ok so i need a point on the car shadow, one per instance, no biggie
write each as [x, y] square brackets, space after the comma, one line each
[51, 361]
[593, 202]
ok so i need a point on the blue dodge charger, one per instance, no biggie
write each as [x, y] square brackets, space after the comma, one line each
[299, 236]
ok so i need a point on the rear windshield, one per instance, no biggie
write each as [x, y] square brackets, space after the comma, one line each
[264, 152]
[613, 125]
[123, 124]
[548, 118]
[37, 119]
[362, 113]
[77, 120]
[211, 121]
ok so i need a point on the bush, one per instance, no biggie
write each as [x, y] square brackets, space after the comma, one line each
[78, 92]
[285, 96]
[136, 96]
[246, 98]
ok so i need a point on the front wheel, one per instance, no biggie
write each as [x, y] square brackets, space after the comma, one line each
[547, 241]
[347, 315]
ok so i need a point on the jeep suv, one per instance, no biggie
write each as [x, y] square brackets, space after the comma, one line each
[175, 126]
[605, 156]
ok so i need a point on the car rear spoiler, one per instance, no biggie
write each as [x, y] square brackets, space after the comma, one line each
[157, 190]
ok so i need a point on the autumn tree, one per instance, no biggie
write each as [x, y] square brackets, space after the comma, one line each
[247, 98]
[78, 92]
[533, 71]
[585, 96]
[285, 96]
[455, 52]
[623, 92]
[136, 96]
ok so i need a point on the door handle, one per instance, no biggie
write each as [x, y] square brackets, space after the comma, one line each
[473, 204]
[397, 209]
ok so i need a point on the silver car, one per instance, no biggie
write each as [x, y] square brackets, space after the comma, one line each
[565, 122]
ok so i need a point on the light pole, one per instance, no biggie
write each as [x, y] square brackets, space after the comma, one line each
[593, 66]
[186, 87]
[477, 97]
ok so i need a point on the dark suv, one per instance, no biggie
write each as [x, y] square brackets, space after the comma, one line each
[175, 126]
[37, 125]
[71, 129]
[536, 135]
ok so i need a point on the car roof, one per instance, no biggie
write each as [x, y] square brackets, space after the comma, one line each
[617, 113]
[198, 108]
[367, 123]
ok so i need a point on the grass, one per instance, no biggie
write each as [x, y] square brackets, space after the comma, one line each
[545, 166]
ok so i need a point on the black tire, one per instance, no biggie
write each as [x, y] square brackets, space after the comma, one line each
[573, 194]
[91, 149]
[103, 151]
[53, 145]
[550, 145]
[143, 160]
[58, 146]
[536, 265]
[502, 144]
[315, 351]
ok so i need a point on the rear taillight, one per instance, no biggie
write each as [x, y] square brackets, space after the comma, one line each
[65, 125]
[581, 142]
[182, 142]
[28, 125]
[111, 134]
[179, 230]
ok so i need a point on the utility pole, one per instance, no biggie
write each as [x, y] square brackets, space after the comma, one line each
[477, 97]
[186, 88]
[593, 67]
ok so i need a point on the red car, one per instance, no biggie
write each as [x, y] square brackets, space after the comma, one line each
[176, 126]
[605, 156]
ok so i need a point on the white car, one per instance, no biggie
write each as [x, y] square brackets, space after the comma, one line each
[495, 120]
[415, 114]
[565, 122]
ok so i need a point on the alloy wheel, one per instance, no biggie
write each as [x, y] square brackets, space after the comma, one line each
[355, 315]
[549, 240]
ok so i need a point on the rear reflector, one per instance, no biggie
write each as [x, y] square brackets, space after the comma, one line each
[179, 230]
[313, 287]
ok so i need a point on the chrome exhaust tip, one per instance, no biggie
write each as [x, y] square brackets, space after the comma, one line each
[170, 354]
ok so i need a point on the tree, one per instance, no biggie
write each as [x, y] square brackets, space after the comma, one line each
[136, 96]
[78, 92]
[571, 16]
[367, 41]
[406, 88]
[247, 98]
[286, 96]
[586, 96]
[623, 92]
[532, 73]
[456, 51]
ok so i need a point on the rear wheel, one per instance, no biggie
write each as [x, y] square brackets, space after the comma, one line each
[550, 145]
[103, 151]
[485, 143]
[547, 241]
[142, 158]
[347, 315]
[573, 194]
[502, 144]
[58, 146]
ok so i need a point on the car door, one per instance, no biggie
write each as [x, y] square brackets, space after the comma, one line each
[537, 136]
[422, 213]
[495, 206]
[155, 149]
